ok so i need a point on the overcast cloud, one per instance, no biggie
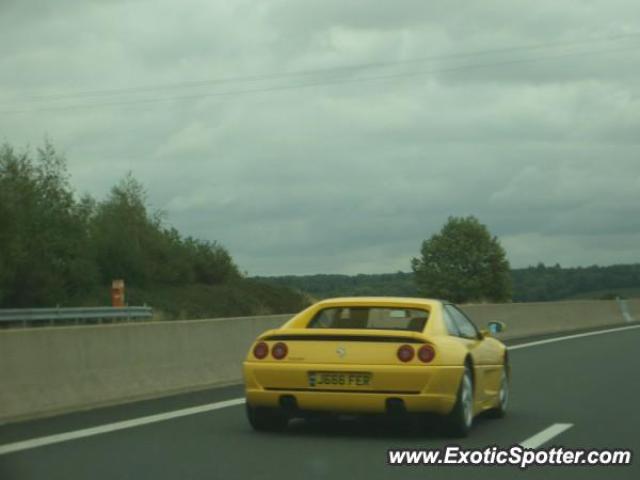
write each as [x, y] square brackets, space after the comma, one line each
[334, 169]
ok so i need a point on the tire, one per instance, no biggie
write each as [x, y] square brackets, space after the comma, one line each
[459, 422]
[503, 396]
[267, 419]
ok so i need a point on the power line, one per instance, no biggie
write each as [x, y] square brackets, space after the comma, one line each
[340, 69]
[319, 83]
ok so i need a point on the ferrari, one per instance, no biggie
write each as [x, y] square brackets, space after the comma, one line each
[366, 355]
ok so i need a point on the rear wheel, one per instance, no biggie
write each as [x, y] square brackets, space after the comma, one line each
[503, 396]
[460, 419]
[267, 419]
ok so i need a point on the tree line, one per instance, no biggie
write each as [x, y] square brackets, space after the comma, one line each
[537, 283]
[542, 283]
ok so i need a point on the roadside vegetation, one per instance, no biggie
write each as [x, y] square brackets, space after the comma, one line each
[58, 249]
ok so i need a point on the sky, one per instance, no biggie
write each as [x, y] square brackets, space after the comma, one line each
[334, 137]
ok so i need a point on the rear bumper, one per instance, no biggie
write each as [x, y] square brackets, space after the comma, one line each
[416, 388]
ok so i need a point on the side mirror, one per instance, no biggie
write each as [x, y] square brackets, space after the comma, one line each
[495, 327]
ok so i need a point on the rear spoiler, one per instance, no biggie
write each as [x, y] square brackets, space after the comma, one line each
[379, 337]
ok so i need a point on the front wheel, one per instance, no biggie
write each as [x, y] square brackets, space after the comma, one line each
[267, 419]
[460, 419]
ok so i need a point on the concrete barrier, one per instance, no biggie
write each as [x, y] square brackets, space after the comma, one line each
[527, 319]
[44, 371]
[634, 308]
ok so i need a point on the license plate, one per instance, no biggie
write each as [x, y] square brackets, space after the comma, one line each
[339, 379]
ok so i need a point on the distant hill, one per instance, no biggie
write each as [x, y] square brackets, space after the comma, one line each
[328, 285]
[532, 284]
[546, 283]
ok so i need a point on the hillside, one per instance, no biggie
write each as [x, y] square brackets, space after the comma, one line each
[328, 285]
[239, 297]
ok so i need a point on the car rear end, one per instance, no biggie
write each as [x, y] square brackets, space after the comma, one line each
[349, 371]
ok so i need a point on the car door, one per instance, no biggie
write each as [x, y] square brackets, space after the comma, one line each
[484, 355]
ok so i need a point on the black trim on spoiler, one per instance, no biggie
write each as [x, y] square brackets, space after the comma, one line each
[345, 338]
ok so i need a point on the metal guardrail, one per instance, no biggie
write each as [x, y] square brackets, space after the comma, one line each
[71, 316]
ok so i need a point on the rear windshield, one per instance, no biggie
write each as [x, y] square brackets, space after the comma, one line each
[371, 318]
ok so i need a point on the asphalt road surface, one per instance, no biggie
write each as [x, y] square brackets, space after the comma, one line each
[589, 383]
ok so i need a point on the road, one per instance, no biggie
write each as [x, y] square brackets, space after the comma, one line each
[590, 382]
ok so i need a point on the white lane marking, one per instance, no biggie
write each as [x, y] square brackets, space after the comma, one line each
[570, 337]
[545, 435]
[112, 427]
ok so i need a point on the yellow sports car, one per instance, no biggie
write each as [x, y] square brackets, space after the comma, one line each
[377, 355]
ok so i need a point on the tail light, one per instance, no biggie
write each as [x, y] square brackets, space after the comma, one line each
[406, 353]
[279, 351]
[426, 353]
[261, 350]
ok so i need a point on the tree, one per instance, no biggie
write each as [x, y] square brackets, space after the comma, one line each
[211, 262]
[463, 263]
[132, 243]
[43, 240]
[122, 231]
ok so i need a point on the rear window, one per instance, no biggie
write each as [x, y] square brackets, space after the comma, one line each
[371, 318]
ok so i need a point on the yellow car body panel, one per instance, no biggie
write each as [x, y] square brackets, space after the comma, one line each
[358, 370]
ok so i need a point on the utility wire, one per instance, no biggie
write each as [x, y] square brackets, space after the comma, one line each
[341, 69]
[321, 82]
